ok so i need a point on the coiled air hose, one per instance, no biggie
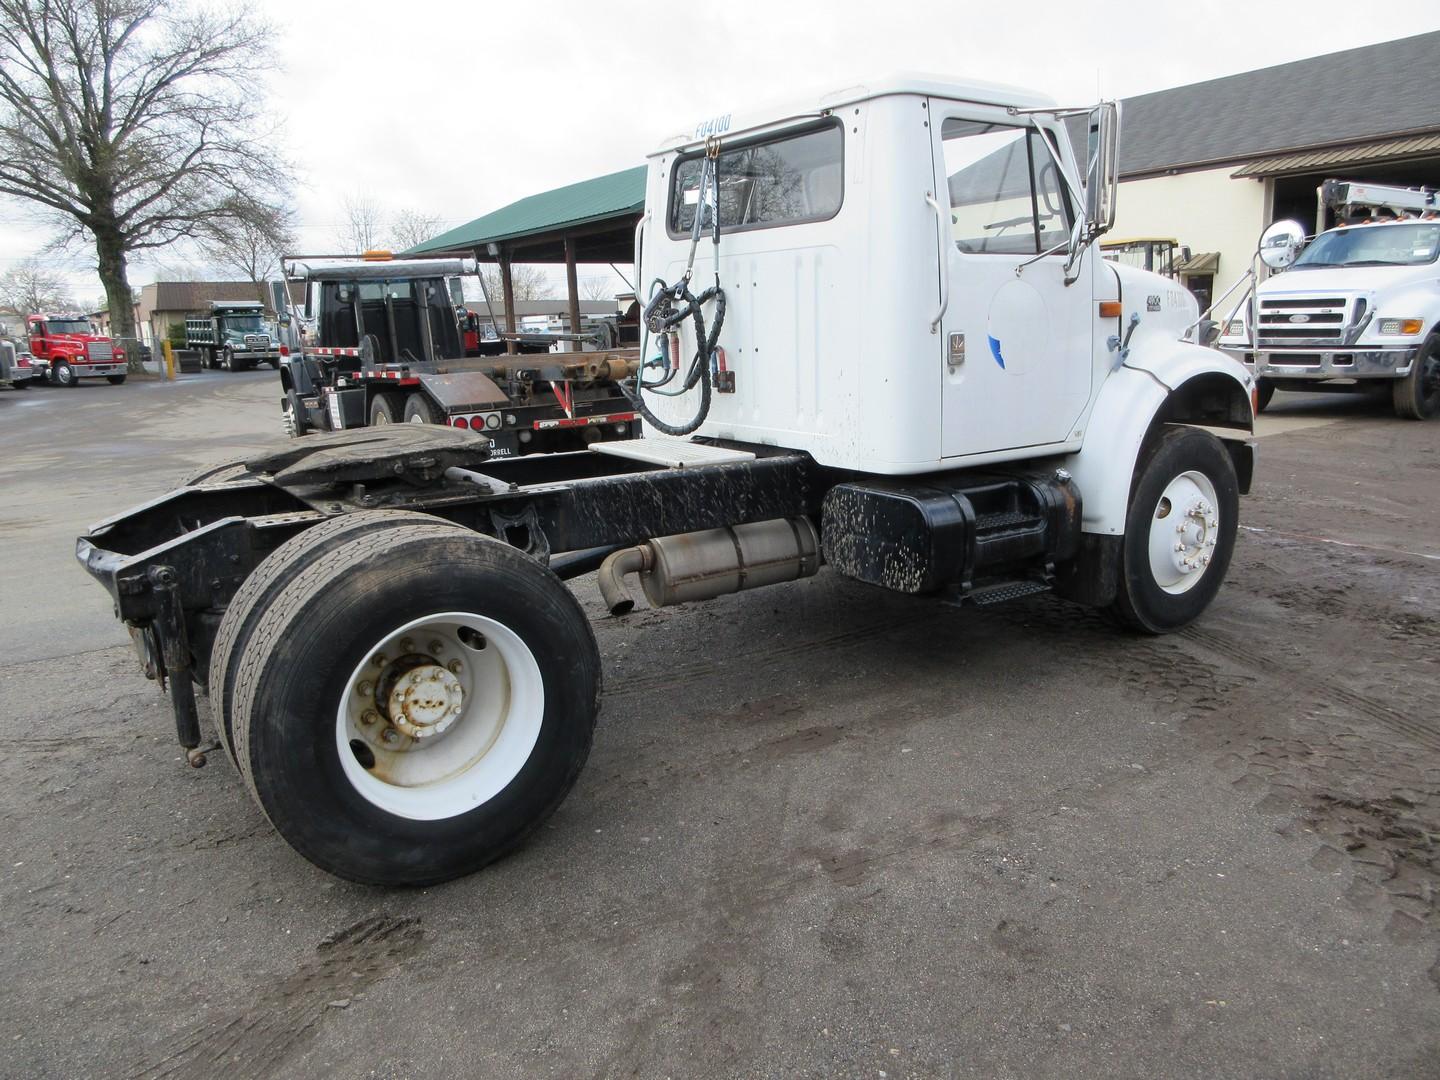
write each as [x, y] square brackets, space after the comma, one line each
[669, 306]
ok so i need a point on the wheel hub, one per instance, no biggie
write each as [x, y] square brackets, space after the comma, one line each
[426, 701]
[1196, 534]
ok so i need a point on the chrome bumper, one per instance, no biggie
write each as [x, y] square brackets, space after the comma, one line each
[1349, 363]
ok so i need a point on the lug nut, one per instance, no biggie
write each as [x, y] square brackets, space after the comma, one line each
[365, 689]
[454, 667]
[437, 646]
[369, 716]
[380, 660]
[390, 735]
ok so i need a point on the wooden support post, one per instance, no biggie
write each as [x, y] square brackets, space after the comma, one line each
[573, 293]
[507, 287]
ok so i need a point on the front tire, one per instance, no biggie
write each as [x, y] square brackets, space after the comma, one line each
[62, 374]
[1417, 395]
[415, 705]
[231, 364]
[1179, 530]
[115, 380]
[1264, 394]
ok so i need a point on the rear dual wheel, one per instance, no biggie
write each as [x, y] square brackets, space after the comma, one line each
[410, 704]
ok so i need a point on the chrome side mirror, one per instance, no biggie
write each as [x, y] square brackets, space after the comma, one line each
[1102, 170]
[1281, 243]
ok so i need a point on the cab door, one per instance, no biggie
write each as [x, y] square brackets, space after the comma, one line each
[37, 336]
[1015, 340]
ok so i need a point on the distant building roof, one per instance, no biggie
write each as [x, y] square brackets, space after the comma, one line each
[614, 198]
[197, 295]
[1362, 94]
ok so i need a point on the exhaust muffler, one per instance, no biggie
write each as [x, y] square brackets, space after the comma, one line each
[704, 565]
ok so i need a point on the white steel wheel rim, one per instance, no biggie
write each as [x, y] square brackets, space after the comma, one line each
[416, 757]
[1184, 530]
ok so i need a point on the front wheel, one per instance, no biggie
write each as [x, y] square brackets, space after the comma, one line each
[115, 380]
[62, 374]
[1179, 530]
[415, 705]
[230, 362]
[1417, 395]
[1264, 394]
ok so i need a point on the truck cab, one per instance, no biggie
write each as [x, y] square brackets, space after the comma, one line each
[68, 349]
[1356, 306]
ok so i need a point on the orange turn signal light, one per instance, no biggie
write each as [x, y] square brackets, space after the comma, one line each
[1111, 309]
[377, 255]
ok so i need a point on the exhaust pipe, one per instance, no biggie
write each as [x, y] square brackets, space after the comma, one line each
[612, 577]
[704, 565]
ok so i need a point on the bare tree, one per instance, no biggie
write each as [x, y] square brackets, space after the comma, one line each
[251, 241]
[132, 122]
[529, 283]
[364, 226]
[596, 288]
[411, 228]
[28, 289]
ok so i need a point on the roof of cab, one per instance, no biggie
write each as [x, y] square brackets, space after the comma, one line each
[906, 82]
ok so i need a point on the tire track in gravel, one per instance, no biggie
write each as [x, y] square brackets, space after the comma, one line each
[257, 1040]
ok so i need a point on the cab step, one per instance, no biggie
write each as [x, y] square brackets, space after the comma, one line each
[1000, 592]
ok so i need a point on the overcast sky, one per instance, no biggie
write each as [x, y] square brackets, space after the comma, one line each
[456, 108]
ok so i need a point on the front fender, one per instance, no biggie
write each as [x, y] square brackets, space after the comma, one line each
[1181, 383]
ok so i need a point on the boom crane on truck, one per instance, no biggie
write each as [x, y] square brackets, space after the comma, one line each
[932, 383]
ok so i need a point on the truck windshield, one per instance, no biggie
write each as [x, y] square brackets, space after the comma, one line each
[67, 326]
[1385, 245]
[243, 322]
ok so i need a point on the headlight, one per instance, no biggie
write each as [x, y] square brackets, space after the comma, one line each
[1235, 328]
[1401, 327]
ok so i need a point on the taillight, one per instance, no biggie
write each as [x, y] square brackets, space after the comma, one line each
[460, 422]
[284, 350]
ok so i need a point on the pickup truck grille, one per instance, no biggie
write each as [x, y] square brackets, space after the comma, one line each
[99, 350]
[1314, 320]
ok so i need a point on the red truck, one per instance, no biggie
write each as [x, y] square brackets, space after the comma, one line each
[69, 350]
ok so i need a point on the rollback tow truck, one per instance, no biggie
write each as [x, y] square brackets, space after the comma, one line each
[389, 348]
[911, 395]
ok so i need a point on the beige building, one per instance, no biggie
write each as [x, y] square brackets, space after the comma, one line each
[1210, 165]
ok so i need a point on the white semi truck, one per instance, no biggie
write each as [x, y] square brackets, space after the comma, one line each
[1357, 305]
[880, 336]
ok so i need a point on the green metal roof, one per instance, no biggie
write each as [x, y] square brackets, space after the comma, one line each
[616, 196]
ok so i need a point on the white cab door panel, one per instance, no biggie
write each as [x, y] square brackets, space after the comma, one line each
[1014, 352]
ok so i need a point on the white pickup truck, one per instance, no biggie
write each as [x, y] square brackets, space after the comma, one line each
[1358, 303]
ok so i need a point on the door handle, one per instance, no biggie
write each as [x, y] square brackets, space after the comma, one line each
[944, 263]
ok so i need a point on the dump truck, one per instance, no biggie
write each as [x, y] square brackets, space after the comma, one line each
[880, 342]
[389, 347]
[233, 335]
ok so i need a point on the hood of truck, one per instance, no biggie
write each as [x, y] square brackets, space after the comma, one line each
[1347, 279]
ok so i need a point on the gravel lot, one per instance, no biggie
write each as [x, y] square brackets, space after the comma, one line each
[824, 830]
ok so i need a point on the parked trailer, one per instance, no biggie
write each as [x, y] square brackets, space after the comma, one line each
[389, 348]
[950, 409]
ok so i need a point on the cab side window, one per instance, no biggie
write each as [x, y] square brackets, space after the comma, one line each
[1006, 194]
